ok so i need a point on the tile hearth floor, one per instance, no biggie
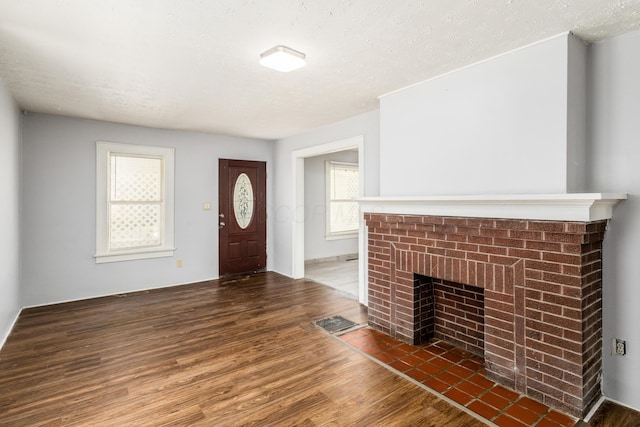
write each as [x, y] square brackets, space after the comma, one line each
[458, 375]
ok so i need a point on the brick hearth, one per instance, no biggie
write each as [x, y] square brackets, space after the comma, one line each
[541, 282]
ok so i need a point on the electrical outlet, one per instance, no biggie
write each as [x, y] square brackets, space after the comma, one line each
[619, 347]
[179, 263]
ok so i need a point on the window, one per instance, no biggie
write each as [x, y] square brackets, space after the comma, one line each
[343, 184]
[134, 202]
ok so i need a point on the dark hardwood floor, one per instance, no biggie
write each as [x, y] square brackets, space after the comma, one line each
[610, 414]
[241, 351]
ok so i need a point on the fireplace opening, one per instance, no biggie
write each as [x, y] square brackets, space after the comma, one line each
[450, 311]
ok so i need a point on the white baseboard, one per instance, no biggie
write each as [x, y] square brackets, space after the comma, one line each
[13, 324]
[346, 257]
[149, 288]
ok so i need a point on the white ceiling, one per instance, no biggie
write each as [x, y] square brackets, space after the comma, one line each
[193, 64]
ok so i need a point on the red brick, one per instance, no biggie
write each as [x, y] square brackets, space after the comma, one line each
[546, 226]
[561, 300]
[492, 250]
[481, 240]
[522, 253]
[543, 286]
[564, 238]
[544, 246]
[561, 258]
[503, 260]
[511, 224]
[509, 243]
[598, 226]
[569, 248]
[451, 253]
[467, 231]
[562, 279]
[449, 220]
[498, 328]
[445, 229]
[467, 247]
[544, 348]
[457, 238]
[525, 235]
[498, 314]
[543, 266]
[563, 343]
[480, 222]
[493, 232]
[445, 245]
[541, 326]
[480, 257]
[426, 219]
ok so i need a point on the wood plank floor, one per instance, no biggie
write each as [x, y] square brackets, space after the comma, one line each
[239, 351]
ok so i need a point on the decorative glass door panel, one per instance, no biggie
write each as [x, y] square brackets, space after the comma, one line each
[243, 201]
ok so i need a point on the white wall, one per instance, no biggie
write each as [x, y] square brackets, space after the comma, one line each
[316, 246]
[366, 124]
[10, 212]
[615, 166]
[496, 127]
[59, 208]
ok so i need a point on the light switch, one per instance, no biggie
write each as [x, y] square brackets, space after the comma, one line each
[206, 206]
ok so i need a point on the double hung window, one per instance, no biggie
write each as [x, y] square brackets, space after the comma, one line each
[343, 184]
[134, 202]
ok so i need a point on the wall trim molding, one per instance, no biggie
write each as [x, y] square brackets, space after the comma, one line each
[552, 207]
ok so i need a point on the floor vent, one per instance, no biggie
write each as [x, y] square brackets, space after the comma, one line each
[335, 324]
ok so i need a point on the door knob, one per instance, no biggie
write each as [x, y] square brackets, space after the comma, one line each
[222, 224]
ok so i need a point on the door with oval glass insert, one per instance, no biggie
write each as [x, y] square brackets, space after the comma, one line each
[242, 222]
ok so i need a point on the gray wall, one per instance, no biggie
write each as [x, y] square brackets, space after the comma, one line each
[315, 244]
[10, 212]
[615, 166]
[59, 208]
[366, 124]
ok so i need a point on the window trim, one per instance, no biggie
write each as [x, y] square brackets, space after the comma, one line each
[167, 248]
[328, 234]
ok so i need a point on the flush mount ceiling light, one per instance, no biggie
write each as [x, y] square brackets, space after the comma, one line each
[282, 58]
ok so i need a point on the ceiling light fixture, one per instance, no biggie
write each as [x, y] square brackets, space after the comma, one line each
[282, 58]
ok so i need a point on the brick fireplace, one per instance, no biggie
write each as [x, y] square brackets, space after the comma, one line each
[519, 283]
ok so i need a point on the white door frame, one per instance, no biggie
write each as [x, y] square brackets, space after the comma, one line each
[297, 232]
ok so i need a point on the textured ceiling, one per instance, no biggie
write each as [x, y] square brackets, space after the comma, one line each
[193, 64]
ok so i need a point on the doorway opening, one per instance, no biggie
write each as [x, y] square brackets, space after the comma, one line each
[349, 151]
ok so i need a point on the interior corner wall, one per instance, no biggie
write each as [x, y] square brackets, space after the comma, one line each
[10, 141]
[58, 218]
[495, 127]
[366, 124]
[614, 166]
[577, 101]
[316, 246]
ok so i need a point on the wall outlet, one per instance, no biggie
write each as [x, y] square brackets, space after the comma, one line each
[179, 263]
[619, 347]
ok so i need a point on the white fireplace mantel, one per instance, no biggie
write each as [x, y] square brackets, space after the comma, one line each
[584, 207]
